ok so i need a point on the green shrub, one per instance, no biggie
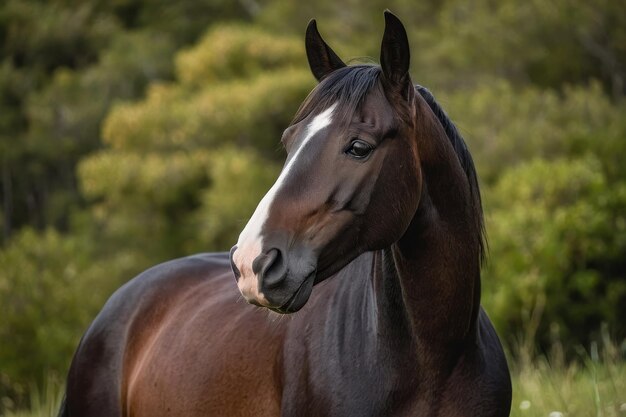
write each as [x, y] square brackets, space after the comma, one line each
[557, 236]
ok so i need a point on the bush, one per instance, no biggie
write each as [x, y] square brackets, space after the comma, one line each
[557, 236]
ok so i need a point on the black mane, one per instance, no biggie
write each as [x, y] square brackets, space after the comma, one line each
[351, 84]
[465, 158]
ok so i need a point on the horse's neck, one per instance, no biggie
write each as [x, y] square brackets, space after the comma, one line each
[436, 263]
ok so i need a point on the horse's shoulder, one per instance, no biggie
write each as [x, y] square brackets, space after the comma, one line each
[152, 290]
[127, 314]
[202, 266]
[161, 282]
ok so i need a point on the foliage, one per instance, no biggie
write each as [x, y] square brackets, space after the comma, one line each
[467, 44]
[548, 386]
[172, 118]
[506, 125]
[51, 287]
[236, 51]
[239, 182]
[42, 402]
[547, 44]
[62, 65]
[40, 314]
[553, 184]
[201, 146]
[557, 250]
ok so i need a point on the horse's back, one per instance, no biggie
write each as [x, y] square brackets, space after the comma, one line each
[172, 326]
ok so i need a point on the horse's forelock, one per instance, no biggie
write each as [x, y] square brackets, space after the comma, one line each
[347, 86]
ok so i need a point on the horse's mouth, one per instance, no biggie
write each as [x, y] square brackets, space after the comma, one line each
[299, 298]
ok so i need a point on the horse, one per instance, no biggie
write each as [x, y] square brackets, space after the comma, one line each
[371, 238]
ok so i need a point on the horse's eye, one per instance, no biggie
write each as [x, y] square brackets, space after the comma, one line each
[359, 149]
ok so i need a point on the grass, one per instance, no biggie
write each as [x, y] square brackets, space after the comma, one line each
[593, 389]
[44, 401]
[549, 386]
[542, 387]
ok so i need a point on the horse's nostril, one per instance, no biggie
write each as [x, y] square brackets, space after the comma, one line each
[232, 264]
[270, 267]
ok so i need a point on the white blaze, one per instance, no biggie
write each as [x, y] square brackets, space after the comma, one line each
[250, 240]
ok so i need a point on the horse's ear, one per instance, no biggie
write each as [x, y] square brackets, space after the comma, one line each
[322, 59]
[395, 55]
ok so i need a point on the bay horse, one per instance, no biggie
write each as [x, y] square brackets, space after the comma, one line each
[373, 233]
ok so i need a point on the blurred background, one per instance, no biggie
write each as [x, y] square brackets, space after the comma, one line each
[136, 131]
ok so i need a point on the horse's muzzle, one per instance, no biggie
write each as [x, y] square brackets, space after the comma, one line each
[280, 279]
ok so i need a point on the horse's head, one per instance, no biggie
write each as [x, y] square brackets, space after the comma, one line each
[351, 182]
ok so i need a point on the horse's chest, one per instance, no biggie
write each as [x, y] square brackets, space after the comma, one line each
[331, 377]
[332, 389]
